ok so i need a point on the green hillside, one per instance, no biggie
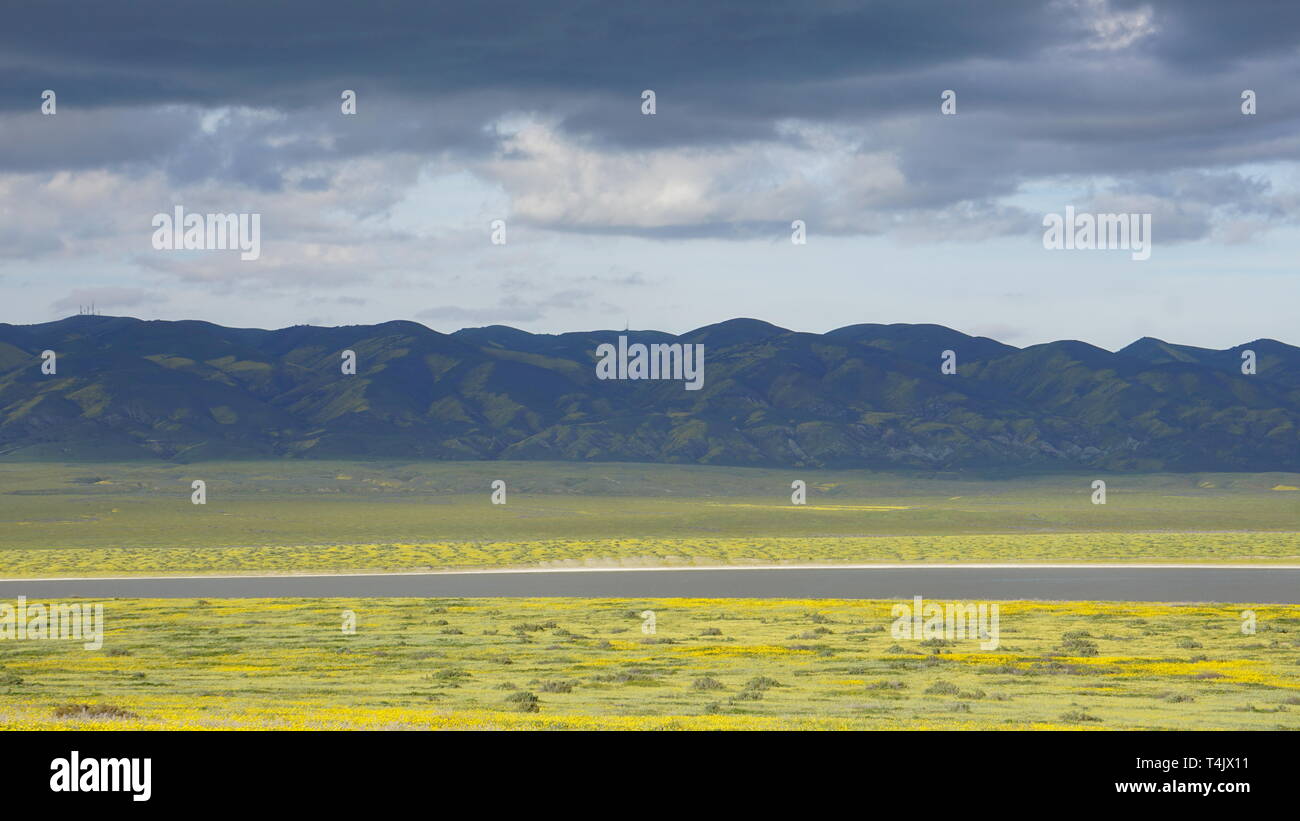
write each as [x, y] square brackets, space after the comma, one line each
[865, 396]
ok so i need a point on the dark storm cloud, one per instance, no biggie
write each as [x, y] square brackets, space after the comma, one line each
[430, 75]
[1209, 35]
[259, 53]
[1045, 90]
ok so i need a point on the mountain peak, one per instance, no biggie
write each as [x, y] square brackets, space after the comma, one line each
[734, 332]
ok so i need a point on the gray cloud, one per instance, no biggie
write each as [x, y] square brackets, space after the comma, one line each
[826, 112]
[106, 298]
[242, 94]
[510, 308]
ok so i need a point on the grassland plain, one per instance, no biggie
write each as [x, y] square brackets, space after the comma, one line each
[711, 664]
[136, 517]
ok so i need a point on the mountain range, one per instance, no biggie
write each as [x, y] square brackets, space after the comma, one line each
[862, 396]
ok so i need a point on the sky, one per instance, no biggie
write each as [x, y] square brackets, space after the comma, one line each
[829, 113]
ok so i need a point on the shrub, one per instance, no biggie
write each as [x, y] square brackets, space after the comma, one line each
[807, 634]
[633, 674]
[1076, 646]
[1077, 715]
[450, 674]
[887, 685]
[523, 701]
[92, 711]
[762, 683]
[533, 627]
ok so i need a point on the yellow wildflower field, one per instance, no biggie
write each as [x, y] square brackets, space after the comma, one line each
[633, 552]
[708, 664]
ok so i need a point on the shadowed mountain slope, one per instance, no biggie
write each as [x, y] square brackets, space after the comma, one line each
[868, 395]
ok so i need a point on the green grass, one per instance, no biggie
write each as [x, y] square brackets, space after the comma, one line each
[1229, 548]
[285, 515]
[457, 663]
[712, 663]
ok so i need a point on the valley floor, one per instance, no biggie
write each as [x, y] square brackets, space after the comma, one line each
[709, 664]
[475, 661]
[294, 517]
